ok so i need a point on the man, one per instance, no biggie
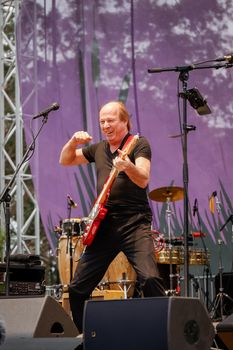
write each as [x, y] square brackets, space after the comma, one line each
[127, 224]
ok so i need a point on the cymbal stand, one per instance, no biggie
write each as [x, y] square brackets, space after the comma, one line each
[221, 295]
[168, 214]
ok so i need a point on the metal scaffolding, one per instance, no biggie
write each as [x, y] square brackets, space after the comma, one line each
[25, 220]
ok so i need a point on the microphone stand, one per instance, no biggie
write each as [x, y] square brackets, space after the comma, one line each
[70, 238]
[208, 269]
[184, 76]
[5, 198]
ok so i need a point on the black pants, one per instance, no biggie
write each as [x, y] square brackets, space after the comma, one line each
[128, 234]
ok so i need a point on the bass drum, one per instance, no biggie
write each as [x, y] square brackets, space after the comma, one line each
[119, 272]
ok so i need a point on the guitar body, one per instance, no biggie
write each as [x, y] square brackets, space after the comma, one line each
[98, 211]
[92, 225]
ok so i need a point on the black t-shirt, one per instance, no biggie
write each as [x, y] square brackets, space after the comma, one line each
[125, 196]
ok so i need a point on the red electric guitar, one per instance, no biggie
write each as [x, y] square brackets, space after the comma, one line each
[98, 212]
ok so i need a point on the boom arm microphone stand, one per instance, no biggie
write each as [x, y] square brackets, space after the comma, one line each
[5, 198]
[184, 76]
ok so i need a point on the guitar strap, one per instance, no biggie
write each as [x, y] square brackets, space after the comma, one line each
[130, 137]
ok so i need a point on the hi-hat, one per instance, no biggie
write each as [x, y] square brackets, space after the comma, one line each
[165, 194]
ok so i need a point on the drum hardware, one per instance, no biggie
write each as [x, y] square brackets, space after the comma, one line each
[205, 258]
[198, 289]
[55, 291]
[124, 284]
[58, 231]
[158, 240]
[175, 291]
[221, 295]
[70, 204]
[198, 234]
[168, 194]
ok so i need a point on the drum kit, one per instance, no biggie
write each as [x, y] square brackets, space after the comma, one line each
[170, 250]
[120, 274]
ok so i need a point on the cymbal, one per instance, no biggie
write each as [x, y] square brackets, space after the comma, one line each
[169, 193]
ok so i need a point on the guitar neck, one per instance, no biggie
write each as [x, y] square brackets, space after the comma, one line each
[107, 186]
[103, 196]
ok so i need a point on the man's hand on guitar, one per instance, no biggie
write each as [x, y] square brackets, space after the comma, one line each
[122, 162]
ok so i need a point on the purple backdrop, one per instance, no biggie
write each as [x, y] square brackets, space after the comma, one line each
[85, 53]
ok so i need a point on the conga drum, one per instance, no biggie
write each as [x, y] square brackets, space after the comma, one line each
[71, 237]
[64, 256]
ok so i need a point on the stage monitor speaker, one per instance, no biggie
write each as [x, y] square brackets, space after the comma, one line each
[225, 331]
[166, 323]
[35, 317]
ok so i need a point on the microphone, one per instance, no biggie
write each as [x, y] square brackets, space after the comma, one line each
[53, 107]
[228, 58]
[195, 207]
[71, 202]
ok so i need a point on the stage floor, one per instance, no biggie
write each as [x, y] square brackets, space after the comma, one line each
[41, 343]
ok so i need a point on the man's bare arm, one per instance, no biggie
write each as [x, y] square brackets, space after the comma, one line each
[70, 154]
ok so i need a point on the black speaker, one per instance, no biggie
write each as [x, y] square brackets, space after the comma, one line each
[35, 318]
[166, 323]
[225, 331]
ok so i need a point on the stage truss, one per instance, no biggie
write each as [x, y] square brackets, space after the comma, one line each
[25, 220]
